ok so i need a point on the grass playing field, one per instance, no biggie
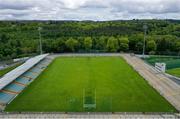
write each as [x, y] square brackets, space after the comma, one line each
[175, 72]
[109, 82]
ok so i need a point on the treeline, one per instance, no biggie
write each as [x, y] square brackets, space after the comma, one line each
[21, 38]
[165, 44]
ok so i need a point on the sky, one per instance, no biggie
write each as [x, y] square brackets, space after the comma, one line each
[98, 10]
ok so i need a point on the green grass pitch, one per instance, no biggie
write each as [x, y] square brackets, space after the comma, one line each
[115, 85]
[175, 72]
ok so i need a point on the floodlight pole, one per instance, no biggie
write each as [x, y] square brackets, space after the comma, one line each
[40, 41]
[144, 44]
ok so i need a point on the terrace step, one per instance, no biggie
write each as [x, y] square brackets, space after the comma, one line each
[10, 92]
[19, 83]
[5, 97]
[14, 88]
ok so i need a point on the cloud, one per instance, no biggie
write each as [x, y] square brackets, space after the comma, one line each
[147, 6]
[88, 9]
[15, 4]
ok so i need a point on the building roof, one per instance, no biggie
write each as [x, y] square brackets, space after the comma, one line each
[12, 75]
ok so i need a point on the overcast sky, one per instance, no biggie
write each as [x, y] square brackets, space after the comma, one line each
[88, 9]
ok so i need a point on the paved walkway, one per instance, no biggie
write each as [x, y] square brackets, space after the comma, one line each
[88, 116]
[173, 78]
[165, 86]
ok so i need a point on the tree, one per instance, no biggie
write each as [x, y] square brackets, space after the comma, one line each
[88, 43]
[139, 46]
[178, 47]
[151, 46]
[101, 43]
[112, 44]
[58, 45]
[123, 44]
[165, 42]
[4, 38]
[136, 42]
[71, 44]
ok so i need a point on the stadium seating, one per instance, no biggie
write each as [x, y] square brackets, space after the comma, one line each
[36, 70]
[44, 62]
[23, 80]
[31, 75]
[11, 90]
[6, 97]
[40, 66]
[14, 87]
